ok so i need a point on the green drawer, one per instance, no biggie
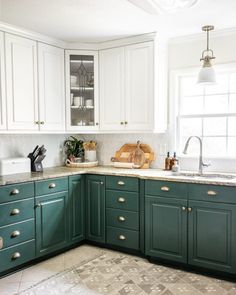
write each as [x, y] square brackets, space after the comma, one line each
[17, 233]
[166, 189]
[122, 219]
[122, 183]
[123, 237]
[122, 200]
[54, 185]
[212, 193]
[17, 255]
[16, 211]
[15, 192]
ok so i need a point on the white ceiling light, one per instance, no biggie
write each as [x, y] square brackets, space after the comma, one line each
[161, 6]
[207, 73]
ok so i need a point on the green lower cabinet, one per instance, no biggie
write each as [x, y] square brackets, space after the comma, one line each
[51, 222]
[212, 235]
[95, 208]
[166, 228]
[77, 208]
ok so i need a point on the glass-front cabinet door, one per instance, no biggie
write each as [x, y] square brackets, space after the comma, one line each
[82, 90]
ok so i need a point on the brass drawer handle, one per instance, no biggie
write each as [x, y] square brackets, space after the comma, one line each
[101, 182]
[15, 234]
[121, 237]
[121, 218]
[42, 122]
[190, 209]
[165, 188]
[52, 185]
[212, 193]
[184, 208]
[14, 192]
[1, 242]
[15, 212]
[15, 256]
[120, 183]
[121, 200]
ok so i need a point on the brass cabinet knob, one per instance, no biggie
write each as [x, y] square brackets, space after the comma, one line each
[212, 193]
[97, 124]
[16, 255]
[120, 183]
[15, 212]
[126, 122]
[121, 237]
[184, 208]
[52, 185]
[1, 242]
[15, 234]
[121, 200]
[101, 182]
[37, 122]
[38, 205]
[165, 188]
[14, 192]
[42, 122]
[190, 209]
[121, 123]
[121, 218]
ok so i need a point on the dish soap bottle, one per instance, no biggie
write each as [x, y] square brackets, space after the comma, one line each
[175, 163]
[167, 162]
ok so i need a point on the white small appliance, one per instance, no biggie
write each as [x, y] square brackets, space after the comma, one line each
[14, 165]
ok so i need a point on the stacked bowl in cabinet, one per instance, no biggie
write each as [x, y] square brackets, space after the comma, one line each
[17, 229]
[122, 211]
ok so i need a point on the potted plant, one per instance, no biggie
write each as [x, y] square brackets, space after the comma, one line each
[74, 149]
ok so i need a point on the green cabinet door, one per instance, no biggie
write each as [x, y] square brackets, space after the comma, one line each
[166, 228]
[212, 235]
[95, 208]
[51, 222]
[77, 207]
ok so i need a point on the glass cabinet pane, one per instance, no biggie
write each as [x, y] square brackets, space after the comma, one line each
[82, 90]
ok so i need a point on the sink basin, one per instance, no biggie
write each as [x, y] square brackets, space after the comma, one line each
[206, 176]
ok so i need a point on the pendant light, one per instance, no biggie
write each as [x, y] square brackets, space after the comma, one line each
[207, 74]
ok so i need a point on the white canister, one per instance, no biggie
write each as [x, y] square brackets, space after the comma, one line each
[77, 101]
[89, 102]
[90, 156]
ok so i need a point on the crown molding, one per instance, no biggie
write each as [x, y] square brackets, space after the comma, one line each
[202, 36]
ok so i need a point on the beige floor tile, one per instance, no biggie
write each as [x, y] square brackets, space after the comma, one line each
[25, 285]
[14, 278]
[9, 288]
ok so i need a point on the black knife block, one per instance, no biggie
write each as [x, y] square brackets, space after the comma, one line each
[36, 158]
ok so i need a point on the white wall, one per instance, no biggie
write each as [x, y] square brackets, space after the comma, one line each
[186, 53]
[21, 145]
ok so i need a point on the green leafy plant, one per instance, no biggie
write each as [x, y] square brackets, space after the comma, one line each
[74, 148]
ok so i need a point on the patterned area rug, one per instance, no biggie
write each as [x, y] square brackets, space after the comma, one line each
[114, 273]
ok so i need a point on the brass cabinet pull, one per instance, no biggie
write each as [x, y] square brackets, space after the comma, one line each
[121, 123]
[212, 193]
[15, 212]
[52, 185]
[42, 122]
[38, 205]
[120, 183]
[1, 242]
[97, 124]
[14, 192]
[126, 122]
[165, 188]
[121, 237]
[184, 208]
[121, 218]
[121, 200]
[37, 122]
[15, 234]
[190, 209]
[16, 255]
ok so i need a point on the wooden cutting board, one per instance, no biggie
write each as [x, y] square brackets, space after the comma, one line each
[137, 156]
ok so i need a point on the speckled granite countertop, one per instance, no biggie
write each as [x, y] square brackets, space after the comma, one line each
[108, 170]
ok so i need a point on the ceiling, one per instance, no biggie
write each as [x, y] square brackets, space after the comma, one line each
[101, 20]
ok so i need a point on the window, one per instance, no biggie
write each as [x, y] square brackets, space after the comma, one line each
[208, 112]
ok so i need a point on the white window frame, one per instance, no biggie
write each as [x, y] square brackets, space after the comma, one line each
[174, 104]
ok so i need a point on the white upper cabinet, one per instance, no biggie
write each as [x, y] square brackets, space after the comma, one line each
[51, 88]
[3, 123]
[22, 88]
[126, 88]
[112, 83]
[82, 105]
[139, 94]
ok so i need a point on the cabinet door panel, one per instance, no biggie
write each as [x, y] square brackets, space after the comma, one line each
[112, 77]
[21, 75]
[166, 228]
[76, 199]
[51, 222]
[212, 235]
[3, 123]
[139, 86]
[96, 208]
[51, 87]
